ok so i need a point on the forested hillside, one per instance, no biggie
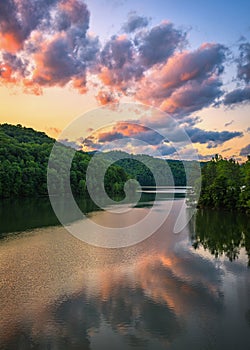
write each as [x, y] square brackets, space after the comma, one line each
[138, 166]
[24, 155]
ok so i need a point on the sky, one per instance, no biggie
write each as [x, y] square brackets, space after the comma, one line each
[188, 60]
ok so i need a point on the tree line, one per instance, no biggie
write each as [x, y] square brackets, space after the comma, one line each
[225, 184]
[24, 155]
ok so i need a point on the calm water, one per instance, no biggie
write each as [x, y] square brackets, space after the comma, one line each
[173, 291]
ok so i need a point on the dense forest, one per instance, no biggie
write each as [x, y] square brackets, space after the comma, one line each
[24, 155]
[225, 184]
[145, 168]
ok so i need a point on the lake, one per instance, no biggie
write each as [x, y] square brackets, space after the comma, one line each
[189, 290]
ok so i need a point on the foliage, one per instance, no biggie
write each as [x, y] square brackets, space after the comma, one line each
[221, 234]
[225, 184]
[24, 155]
[145, 168]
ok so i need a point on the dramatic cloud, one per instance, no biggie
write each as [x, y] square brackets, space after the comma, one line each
[134, 22]
[123, 133]
[119, 68]
[129, 130]
[237, 96]
[187, 82]
[18, 18]
[45, 43]
[245, 151]
[159, 43]
[125, 60]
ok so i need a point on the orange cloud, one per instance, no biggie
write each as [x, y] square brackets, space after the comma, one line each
[10, 42]
[105, 97]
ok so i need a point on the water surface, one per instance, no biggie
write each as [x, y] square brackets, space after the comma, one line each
[172, 291]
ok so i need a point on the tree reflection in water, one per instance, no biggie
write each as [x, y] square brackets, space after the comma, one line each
[221, 233]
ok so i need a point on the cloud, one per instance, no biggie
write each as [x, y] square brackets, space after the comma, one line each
[70, 143]
[159, 43]
[227, 149]
[54, 64]
[213, 138]
[206, 157]
[134, 23]
[147, 137]
[130, 130]
[187, 82]
[54, 131]
[124, 60]
[192, 97]
[245, 151]
[242, 94]
[237, 96]
[229, 123]
[244, 62]
[166, 150]
[110, 136]
[48, 43]
[106, 97]
[119, 68]
[18, 18]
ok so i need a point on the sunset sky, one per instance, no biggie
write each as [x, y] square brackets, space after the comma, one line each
[191, 59]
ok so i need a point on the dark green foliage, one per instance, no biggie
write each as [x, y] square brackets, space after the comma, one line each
[24, 155]
[225, 184]
[144, 168]
[221, 233]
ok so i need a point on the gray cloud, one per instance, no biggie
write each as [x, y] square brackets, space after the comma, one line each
[19, 18]
[109, 137]
[206, 157]
[227, 149]
[240, 95]
[245, 151]
[17, 64]
[229, 123]
[237, 96]
[116, 53]
[213, 138]
[165, 150]
[159, 43]
[70, 143]
[134, 22]
[244, 62]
